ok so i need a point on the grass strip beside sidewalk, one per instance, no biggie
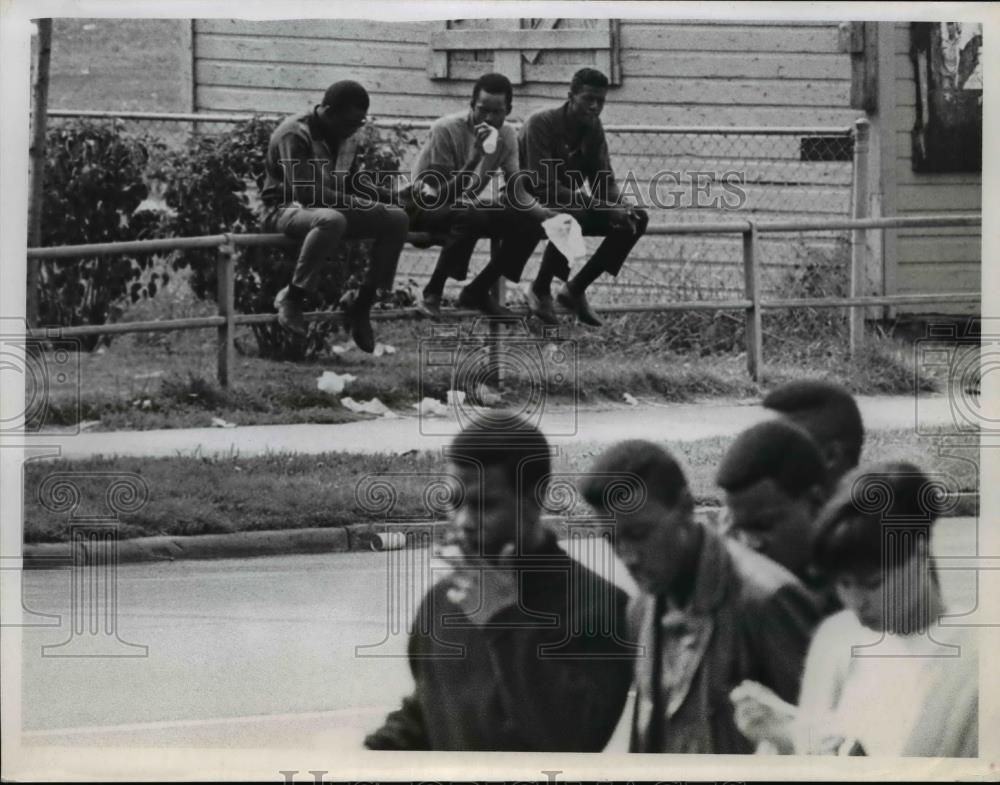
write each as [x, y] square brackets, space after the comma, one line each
[219, 495]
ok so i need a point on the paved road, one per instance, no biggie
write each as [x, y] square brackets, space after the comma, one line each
[677, 422]
[260, 652]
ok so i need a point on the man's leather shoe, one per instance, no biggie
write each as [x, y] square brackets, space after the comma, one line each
[579, 305]
[430, 306]
[482, 302]
[361, 328]
[542, 307]
[290, 313]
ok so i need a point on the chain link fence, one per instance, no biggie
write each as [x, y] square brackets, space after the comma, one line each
[680, 175]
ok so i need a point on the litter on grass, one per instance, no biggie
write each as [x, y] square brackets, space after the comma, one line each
[334, 383]
[374, 406]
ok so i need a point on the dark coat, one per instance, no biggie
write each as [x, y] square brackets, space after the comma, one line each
[548, 674]
[748, 618]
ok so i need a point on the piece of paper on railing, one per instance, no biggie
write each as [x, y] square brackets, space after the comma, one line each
[565, 233]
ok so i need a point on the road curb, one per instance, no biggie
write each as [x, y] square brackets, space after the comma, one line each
[237, 545]
[241, 545]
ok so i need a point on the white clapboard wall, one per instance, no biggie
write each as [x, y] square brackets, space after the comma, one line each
[665, 72]
[926, 260]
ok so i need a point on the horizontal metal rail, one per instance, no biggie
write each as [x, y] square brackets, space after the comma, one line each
[404, 122]
[715, 227]
[752, 303]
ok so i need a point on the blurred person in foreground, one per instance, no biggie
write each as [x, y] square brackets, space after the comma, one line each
[775, 484]
[315, 192]
[828, 413]
[521, 648]
[711, 612]
[883, 677]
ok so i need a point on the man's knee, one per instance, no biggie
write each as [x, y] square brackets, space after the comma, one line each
[328, 220]
[396, 221]
[641, 219]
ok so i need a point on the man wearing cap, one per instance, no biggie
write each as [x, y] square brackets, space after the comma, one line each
[452, 193]
[312, 192]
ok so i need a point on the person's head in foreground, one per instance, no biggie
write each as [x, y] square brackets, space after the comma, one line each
[492, 100]
[829, 414]
[656, 536]
[775, 483]
[587, 92]
[873, 544]
[502, 465]
[344, 109]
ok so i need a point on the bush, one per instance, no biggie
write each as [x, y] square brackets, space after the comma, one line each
[94, 186]
[213, 186]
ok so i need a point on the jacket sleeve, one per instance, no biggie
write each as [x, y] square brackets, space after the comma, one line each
[778, 630]
[569, 699]
[603, 183]
[403, 729]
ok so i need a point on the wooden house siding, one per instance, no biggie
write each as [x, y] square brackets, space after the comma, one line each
[673, 72]
[931, 259]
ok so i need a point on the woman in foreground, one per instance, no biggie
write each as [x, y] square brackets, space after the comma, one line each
[883, 676]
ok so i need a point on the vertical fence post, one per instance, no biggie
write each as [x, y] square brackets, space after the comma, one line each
[499, 291]
[226, 300]
[36, 165]
[751, 274]
[859, 237]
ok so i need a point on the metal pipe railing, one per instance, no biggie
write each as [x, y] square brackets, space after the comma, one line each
[752, 304]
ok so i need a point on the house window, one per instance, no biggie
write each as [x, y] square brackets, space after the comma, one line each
[524, 50]
[948, 70]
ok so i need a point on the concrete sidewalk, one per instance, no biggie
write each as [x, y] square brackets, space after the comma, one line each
[563, 425]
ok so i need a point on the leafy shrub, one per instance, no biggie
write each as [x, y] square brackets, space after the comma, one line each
[213, 186]
[94, 186]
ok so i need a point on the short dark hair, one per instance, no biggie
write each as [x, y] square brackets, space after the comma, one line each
[656, 474]
[346, 94]
[496, 84]
[775, 450]
[507, 440]
[850, 530]
[587, 77]
[825, 409]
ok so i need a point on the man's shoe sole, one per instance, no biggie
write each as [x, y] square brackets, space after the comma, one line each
[584, 318]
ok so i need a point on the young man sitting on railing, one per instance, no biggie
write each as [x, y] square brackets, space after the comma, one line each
[566, 153]
[311, 193]
[451, 193]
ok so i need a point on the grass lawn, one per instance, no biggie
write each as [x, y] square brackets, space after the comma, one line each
[168, 380]
[215, 495]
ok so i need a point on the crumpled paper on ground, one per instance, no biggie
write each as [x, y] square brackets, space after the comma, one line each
[565, 233]
[374, 406]
[431, 407]
[334, 383]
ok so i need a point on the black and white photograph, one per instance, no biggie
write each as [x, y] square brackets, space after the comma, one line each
[399, 391]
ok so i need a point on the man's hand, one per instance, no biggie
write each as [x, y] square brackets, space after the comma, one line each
[482, 131]
[622, 218]
[763, 717]
[481, 587]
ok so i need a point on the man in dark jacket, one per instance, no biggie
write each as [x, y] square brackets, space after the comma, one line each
[314, 192]
[711, 612]
[776, 482]
[521, 648]
[565, 155]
